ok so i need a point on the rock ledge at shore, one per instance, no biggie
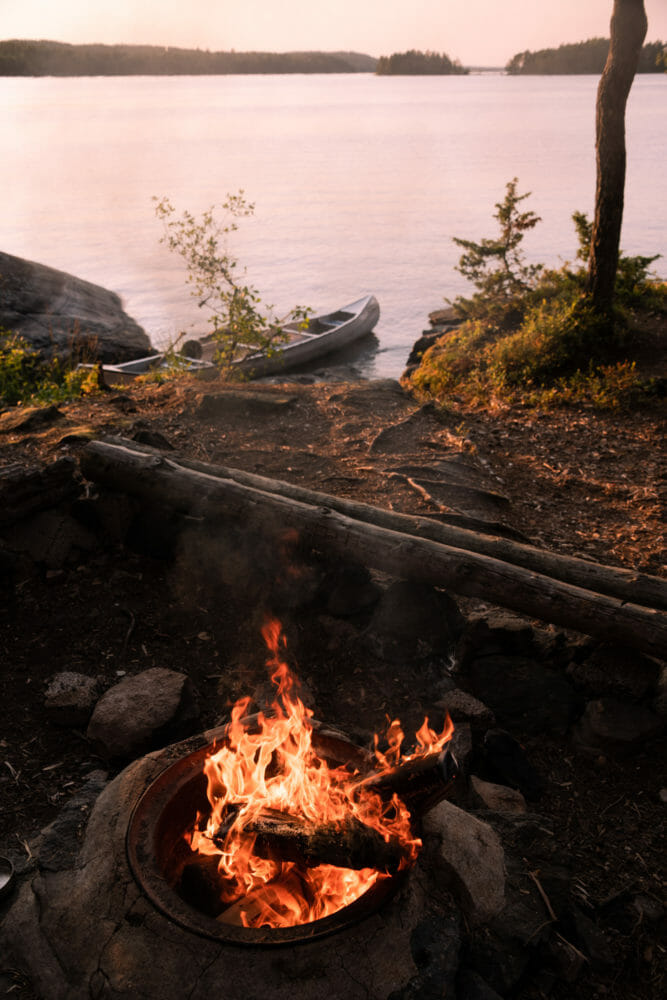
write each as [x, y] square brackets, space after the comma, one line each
[60, 314]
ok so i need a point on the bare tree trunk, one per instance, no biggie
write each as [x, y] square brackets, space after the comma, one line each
[628, 30]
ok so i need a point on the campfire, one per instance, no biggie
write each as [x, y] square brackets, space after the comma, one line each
[297, 825]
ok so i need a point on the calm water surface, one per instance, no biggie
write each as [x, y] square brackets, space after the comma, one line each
[359, 182]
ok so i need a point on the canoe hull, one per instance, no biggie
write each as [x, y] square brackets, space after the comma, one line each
[323, 335]
[318, 337]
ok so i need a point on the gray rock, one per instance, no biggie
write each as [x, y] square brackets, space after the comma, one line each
[524, 694]
[471, 856]
[447, 316]
[471, 986]
[455, 470]
[617, 671]
[461, 745]
[419, 349]
[70, 698]
[413, 622]
[405, 434]
[53, 538]
[610, 726]
[497, 633]
[141, 712]
[152, 438]
[464, 707]
[60, 841]
[351, 590]
[501, 950]
[464, 499]
[241, 402]
[60, 314]
[505, 761]
[378, 395]
[499, 798]
[566, 960]
[500, 961]
[595, 944]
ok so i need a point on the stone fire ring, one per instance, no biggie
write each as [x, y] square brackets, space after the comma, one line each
[89, 931]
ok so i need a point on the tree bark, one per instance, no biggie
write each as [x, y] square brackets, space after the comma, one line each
[159, 480]
[628, 30]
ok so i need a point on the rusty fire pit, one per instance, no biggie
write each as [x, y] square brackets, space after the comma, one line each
[157, 845]
[279, 830]
[106, 923]
[119, 919]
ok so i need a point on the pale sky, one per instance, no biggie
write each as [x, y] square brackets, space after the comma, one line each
[477, 32]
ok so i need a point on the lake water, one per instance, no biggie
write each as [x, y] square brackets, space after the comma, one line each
[359, 182]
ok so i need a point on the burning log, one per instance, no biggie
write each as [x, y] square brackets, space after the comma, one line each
[421, 782]
[351, 844]
[472, 574]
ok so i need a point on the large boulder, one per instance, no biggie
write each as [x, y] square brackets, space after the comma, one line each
[57, 313]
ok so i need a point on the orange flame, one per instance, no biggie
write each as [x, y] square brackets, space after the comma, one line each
[272, 766]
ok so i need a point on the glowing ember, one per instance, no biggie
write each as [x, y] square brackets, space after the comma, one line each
[270, 769]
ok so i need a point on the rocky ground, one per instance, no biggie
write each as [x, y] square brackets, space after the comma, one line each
[571, 481]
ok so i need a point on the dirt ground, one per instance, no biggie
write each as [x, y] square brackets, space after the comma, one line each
[577, 482]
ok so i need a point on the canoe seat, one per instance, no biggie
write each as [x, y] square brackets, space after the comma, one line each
[318, 326]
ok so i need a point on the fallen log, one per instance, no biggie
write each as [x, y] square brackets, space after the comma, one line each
[625, 584]
[25, 490]
[157, 479]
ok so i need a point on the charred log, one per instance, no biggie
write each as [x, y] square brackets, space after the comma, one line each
[351, 844]
[421, 783]
[201, 885]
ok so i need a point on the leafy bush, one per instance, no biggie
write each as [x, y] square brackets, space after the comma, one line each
[558, 335]
[239, 323]
[26, 378]
[531, 333]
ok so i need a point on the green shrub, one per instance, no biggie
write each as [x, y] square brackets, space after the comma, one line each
[557, 336]
[530, 333]
[496, 267]
[240, 324]
[26, 378]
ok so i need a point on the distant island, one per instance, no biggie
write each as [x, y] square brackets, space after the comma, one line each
[583, 57]
[45, 58]
[414, 63]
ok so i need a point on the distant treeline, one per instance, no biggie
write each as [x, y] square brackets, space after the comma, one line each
[583, 57]
[414, 63]
[44, 58]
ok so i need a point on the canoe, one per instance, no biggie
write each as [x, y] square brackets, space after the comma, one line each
[125, 372]
[315, 338]
[307, 341]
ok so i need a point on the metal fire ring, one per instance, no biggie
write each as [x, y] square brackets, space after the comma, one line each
[167, 809]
